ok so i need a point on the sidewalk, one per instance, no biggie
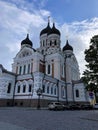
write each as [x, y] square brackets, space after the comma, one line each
[8, 126]
[93, 116]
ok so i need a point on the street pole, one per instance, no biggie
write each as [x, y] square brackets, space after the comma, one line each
[39, 93]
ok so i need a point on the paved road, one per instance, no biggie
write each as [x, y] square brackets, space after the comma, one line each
[31, 119]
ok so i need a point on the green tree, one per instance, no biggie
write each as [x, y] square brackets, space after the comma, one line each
[90, 77]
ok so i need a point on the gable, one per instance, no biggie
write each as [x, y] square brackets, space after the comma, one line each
[25, 52]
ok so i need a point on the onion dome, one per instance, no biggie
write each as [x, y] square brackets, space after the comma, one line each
[54, 30]
[26, 41]
[46, 30]
[67, 47]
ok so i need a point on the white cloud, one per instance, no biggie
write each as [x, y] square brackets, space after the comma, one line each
[79, 34]
[14, 25]
[17, 17]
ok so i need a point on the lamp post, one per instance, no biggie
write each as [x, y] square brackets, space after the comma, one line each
[39, 93]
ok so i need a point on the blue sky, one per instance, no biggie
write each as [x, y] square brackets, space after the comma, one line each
[72, 10]
[77, 19]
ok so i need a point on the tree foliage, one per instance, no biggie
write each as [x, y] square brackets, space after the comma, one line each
[90, 77]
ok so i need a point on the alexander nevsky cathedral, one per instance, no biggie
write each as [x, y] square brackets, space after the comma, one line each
[49, 72]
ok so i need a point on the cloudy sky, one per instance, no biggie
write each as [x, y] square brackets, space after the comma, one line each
[76, 19]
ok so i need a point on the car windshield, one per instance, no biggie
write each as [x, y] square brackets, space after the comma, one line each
[58, 103]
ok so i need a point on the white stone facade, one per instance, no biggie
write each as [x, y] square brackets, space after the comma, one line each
[49, 67]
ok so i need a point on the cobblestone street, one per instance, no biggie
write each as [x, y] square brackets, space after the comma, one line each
[32, 119]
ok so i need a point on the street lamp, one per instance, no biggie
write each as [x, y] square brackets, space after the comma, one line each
[39, 93]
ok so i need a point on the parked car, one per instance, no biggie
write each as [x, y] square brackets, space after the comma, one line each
[95, 106]
[56, 106]
[66, 107]
[86, 107]
[74, 107]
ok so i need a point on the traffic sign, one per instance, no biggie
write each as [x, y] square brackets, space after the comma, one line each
[91, 94]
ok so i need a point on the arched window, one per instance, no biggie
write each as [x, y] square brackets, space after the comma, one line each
[20, 69]
[55, 91]
[47, 89]
[55, 43]
[28, 68]
[18, 89]
[24, 69]
[24, 88]
[50, 43]
[51, 90]
[49, 69]
[77, 93]
[9, 88]
[43, 88]
[30, 87]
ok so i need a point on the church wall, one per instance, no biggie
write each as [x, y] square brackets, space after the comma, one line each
[5, 80]
[47, 68]
[81, 96]
[7, 84]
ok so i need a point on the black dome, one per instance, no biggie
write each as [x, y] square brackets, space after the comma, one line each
[67, 47]
[26, 41]
[46, 30]
[54, 30]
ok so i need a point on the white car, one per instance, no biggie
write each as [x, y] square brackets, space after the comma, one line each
[56, 106]
[96, 106]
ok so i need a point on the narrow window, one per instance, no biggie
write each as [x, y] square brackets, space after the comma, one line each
[43, 43]
[18, 89]
[28, 68]
[9, 88]
[24, 69]
[20, 69]
[24, 88]
[77, 93]
[48, 69]
[30, 87]
[31, 67]
[55, 91]
[48, 89]
[51, 90]
[55, 43]
[50, 43]
[43, 88]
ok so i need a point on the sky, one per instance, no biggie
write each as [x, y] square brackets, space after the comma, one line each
[77, 21]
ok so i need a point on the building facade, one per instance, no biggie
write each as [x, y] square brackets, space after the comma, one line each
[51, 68]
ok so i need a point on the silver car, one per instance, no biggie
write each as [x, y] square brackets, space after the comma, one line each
[56, 106]
[95, 106]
